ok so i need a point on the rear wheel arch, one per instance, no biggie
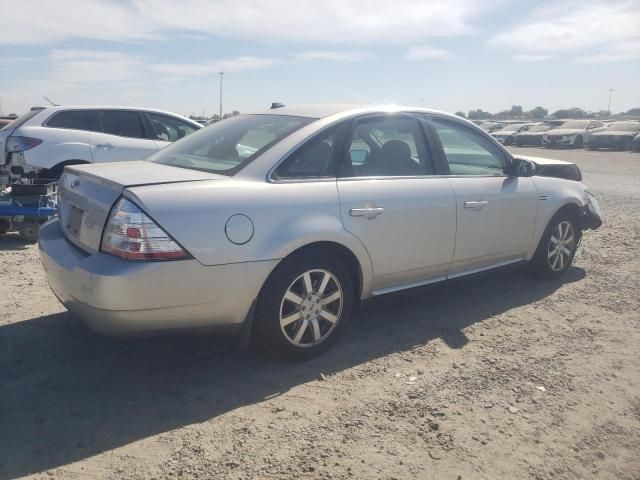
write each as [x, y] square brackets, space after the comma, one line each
[55, 172]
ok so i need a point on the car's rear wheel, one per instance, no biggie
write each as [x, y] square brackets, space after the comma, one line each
[304, 305]
[5, 225]
[628, 144]
[29, 231]
[557, 246]
[578, 142]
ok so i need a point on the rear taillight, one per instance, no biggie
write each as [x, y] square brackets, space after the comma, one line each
[133, 235]
[20, 144]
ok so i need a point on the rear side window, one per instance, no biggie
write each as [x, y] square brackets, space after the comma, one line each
[76, 120]
[123, 123]
[169, 129]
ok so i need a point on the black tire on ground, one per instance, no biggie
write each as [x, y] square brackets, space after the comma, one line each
[592, 147]
[508, 141]
[578, 142]
[546, 265]
[29, 231]
[5, 225]
[272, 304]
[628, 144]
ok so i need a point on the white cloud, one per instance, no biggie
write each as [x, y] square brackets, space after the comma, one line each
[524, 57]
[309, 21]
[594, 30]
[90, 66]
[423, 52]
[334, 56]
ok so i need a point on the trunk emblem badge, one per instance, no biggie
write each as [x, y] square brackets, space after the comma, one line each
[75, 184]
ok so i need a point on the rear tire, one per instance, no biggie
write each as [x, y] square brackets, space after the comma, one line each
[29, 231]
[628, 144]
[5, 225]
[557, 247]
[304, 305]
[578, 142]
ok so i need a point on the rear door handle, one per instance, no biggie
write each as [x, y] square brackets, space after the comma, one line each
[367, 212]
[475, 204]
[108, 146]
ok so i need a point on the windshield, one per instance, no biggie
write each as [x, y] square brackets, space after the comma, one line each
[539, 128]
[227, 146]
[577, 124]
[625, 126]
[512, 128]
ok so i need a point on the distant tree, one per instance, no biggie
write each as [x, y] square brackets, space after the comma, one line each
[235, 112]
[516, 111]
[478, 114]
[536, 113]
[503, 114]
[634, 111]
[574, 112]
[461, 114]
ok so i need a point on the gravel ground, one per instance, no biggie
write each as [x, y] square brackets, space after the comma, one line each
[498, 376]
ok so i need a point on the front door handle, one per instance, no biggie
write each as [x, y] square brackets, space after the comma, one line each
[475, 204]
[108, 146]
[367, 212]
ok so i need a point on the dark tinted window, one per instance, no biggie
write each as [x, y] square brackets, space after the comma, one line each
[169, 129]
[77, 120]
[123, 123]
[386, 146]
[316, 158]
[469, 152]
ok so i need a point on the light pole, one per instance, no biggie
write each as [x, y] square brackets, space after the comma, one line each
[611, 90]
[221, 73]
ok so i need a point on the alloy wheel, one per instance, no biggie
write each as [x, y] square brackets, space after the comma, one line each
[311, 308]
[561, 246]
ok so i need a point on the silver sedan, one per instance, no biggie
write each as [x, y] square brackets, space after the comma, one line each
[277, 224]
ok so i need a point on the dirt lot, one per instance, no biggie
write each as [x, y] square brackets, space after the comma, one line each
[515, 378]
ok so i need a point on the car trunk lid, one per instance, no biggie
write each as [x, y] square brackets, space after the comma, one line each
[86, 194]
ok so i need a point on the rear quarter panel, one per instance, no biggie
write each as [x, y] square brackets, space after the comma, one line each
[285, 217]
[58, 145]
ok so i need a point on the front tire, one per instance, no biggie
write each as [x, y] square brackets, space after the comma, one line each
[578, 142]
[304, 305]
[557, 247]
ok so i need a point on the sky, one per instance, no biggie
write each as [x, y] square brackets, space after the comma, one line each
[447, 55]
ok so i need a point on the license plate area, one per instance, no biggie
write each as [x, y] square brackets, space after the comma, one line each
[74, 222]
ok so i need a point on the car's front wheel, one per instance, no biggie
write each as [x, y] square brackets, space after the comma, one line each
[304, 306]
[557, 247]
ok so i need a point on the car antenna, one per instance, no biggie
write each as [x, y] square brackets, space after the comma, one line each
[275, 105]
[54, 104]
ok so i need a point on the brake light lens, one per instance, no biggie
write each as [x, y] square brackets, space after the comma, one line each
[132, 235]
[20, 144]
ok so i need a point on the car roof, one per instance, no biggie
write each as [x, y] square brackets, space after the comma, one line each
[326, 110]
[58, 108]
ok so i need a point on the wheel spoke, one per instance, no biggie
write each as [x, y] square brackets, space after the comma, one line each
[561, 261]
[301, 329]
[568, 240]
[554, 240]
[331, 298]
[293, 298]
[328, 316]
[323, 283]
[308, 286]
[290, 319]
[566, 251]
[555, 261]
[315, 328]
[552, 254]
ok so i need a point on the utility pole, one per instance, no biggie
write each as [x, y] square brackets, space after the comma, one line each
[421, 102]
[221, 73]
[611, 90]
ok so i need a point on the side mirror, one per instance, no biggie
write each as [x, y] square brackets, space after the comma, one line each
[523, 168]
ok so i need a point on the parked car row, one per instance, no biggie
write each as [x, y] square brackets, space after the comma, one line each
[570, 133]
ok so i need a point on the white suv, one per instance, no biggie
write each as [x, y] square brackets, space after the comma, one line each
[43, 141]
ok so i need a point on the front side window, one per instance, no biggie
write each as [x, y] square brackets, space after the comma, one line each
[76, 120]
[169, 129]
[468, 152]
[123, 123]
[315, 159]
[227, 146]
[386, 146]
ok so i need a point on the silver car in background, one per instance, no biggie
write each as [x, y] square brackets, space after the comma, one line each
[277, 224]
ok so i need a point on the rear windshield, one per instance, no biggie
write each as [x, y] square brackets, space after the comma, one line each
[227, 146]
[22, 119]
